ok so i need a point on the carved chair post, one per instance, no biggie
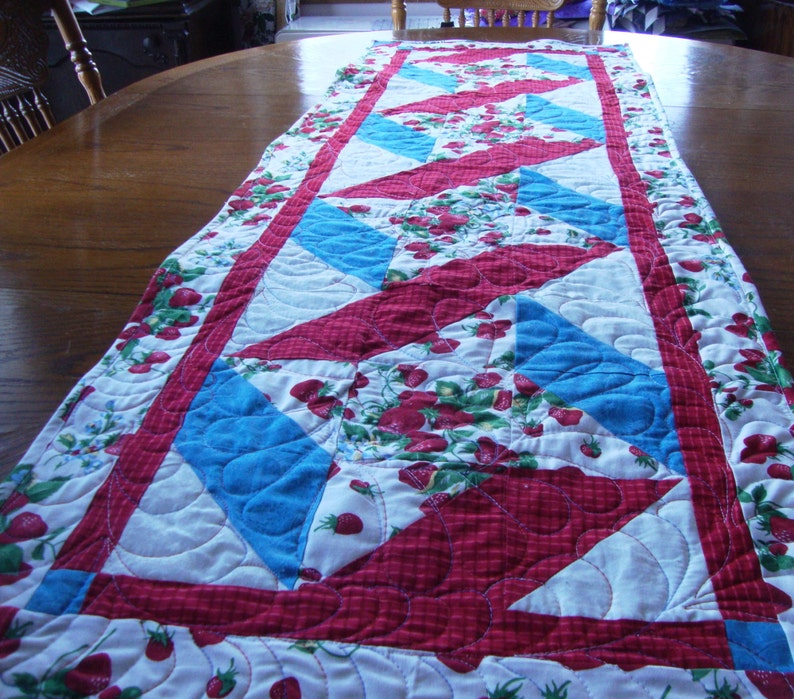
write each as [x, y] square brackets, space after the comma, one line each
[87, 71]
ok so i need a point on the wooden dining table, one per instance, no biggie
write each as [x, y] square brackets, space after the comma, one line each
[90, 209]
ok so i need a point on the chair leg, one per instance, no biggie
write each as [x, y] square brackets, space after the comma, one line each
[83, 61]
[398, 14]
[598, 15]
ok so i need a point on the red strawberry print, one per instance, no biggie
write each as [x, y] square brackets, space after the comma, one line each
[782, 528]
[487, 379]
[493, 331]
[401, 420]
[192, 320]
[333, 469]
[503, 400]
[168, 333]
[24, 527]
[435, 502]
[222, 683]
[310, 574]
[418, 399]
[450, 221]
[171, 279]
[742, 325]
[346, 524]
[308, 390]
[773, 685]
[489, 453]
[364, 488]
[778, 549]
[412, 376]
[159, 646]
[113, 692]
[422, 442]
[760, 447]
[525, 386]
[566, 416]
[323, 406]
[419, 475]
[642, 459]
[90, 676]
[533, 430]
[288, 688]
[591, 448]
[16, 501]
[692, 265]
[493, 237]
[449, 417]
[782, 471]
[206, 637]
[184, 297]
[360, 381]
[440, 345]
[157, 357]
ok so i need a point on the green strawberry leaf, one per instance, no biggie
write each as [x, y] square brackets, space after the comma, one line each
[355, 432]
[10, 558]
[38, 552]
[491, 419]
[527, 460]
[480, 399]
[41, 491]
[26, 683]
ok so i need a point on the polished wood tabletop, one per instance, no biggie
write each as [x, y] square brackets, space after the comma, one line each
[89, 209]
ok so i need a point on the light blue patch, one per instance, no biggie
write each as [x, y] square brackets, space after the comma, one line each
[758, 645]
[539, 109]
[625, 396]
[552, 65]
[61, 592]
[448, 83]
[344, 242]
[596, 217]
[258, 464]
[401, 140]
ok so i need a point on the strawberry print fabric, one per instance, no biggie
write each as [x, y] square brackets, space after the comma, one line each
[462, 394]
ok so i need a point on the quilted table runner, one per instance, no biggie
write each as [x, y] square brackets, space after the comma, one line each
[462, 394]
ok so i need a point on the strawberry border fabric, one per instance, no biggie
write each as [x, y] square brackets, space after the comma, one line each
[462, 394]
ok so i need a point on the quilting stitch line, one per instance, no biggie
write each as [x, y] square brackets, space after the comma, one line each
[727, 546]
[91, 542]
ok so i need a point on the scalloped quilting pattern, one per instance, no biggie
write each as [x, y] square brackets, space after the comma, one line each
[463, 393]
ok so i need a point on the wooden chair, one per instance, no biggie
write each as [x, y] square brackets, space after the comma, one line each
[520, 7]
[24, 110]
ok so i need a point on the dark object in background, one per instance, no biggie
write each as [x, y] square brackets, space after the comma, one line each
[134, 43]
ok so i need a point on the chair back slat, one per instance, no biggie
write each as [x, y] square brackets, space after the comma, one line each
[487, 9]
[24, 110]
